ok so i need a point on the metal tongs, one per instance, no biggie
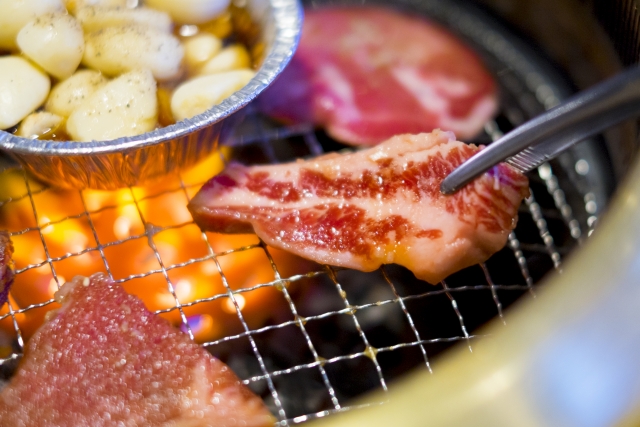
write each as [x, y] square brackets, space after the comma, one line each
[544, 137]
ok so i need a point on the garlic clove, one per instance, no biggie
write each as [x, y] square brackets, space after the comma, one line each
[125, 106]
[117, 50]
[55, 42]
[197, 95]
[23, 88]
[67, 95]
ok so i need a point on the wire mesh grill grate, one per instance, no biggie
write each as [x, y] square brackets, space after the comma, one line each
[263, 374]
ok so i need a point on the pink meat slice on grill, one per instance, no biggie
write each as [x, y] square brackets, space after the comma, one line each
[6, 266]
[377, 206]
[368, 73]
[104, 360]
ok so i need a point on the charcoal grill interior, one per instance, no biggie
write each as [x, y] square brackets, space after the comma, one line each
[345, 332]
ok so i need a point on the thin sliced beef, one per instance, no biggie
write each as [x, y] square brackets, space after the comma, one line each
[104, 360]
[367, 73]
[376, 206]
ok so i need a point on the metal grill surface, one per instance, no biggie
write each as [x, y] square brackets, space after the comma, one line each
[345, 332]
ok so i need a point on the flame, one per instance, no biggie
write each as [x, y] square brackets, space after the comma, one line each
[229, 307]
[62, 232]
[53, 285]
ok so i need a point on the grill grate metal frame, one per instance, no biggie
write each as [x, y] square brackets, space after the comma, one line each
[525, 90]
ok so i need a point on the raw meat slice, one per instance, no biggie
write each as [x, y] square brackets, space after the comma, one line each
[368, 73]
[104, 360]
[6, 266]
[377, 206]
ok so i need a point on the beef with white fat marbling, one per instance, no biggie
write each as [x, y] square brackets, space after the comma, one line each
[377, 206]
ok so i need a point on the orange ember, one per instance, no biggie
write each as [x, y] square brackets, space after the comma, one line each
[146, 239]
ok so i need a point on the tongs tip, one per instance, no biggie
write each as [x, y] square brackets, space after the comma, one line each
[448, 186]
[544, 137]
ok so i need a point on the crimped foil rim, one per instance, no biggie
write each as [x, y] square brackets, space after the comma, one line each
[288, 23]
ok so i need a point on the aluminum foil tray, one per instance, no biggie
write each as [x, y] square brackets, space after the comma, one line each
[130, 161]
